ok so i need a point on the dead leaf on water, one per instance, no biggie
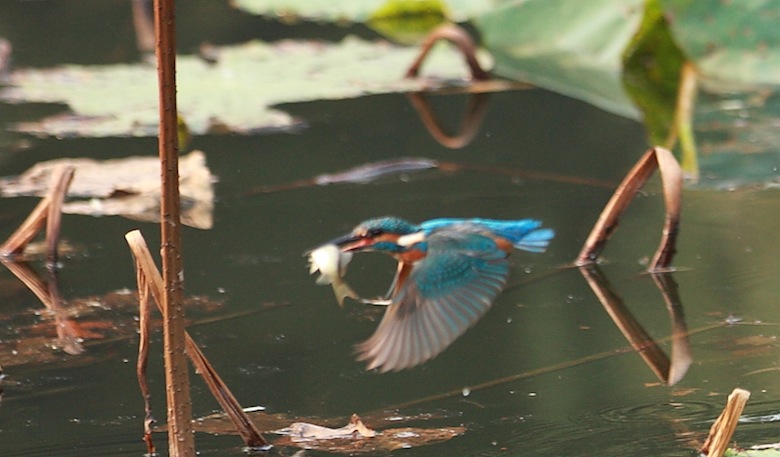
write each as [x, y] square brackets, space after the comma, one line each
[353, 438]
[356, 438]
[304, 431]
[128, 187]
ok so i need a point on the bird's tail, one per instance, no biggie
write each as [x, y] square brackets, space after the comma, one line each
[525, 234]
[536, 240]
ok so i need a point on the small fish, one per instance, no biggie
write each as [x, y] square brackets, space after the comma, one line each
[332, 265]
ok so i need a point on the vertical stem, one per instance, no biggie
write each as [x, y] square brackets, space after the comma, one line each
[683, 117]
[180, 439]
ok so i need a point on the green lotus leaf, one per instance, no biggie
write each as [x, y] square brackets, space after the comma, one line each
[236, 92]
[734, 45]
[568, 46]
[352, 10]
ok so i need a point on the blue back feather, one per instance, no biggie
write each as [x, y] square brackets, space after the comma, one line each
[525, 234]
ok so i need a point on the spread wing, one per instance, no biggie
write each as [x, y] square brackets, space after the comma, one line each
[445, 293]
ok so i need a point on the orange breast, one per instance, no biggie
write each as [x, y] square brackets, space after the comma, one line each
[411, 256]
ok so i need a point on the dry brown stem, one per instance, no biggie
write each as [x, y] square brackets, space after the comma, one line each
[460, 38]
[153, 283]
[724, 426]
[671, 178]
[177, 384]
[46, 213]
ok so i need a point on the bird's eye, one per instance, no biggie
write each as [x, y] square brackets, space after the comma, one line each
[374, 232]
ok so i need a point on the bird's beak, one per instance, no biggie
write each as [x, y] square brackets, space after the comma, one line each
[352, 242]
[346, 243]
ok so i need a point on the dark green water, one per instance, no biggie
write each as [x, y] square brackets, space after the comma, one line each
[589, 396]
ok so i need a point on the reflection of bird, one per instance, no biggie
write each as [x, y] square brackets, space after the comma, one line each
[449, 273]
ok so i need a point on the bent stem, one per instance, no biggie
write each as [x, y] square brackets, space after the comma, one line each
[671, 179]
[460, 38]
[47, 213]
[149, 279]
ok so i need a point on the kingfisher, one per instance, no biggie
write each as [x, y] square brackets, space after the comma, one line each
[449, 273]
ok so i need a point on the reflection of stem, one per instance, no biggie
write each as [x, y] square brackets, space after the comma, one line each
[47, 213]
[640, 340]
[668, 372]
[68, 333]
[469, 127]
[143, 22]
[460, 38]
[681, 346]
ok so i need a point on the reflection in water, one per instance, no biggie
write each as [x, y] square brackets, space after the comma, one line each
[360, 174]
[469, 127]
[670, 372]
[68, 333]
[375, 171]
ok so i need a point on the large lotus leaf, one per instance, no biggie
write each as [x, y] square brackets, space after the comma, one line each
[733, 44]
[235, 93]
[737, 140]
[350, 10]
[569, 46]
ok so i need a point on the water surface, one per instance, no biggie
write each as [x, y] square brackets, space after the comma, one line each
[590, 396]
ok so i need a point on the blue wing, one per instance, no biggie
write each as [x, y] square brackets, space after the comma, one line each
[445, 293]
[525, 234]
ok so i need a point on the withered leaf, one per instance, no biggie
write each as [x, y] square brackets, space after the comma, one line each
[128, 187]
